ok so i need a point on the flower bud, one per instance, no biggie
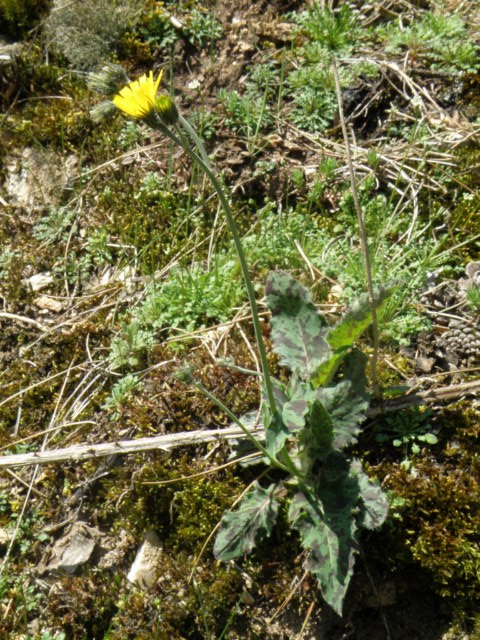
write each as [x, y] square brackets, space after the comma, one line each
[108, 80]
[166, 110]
[102, 111]
[185, 375]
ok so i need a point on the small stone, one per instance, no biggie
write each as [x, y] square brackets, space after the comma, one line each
[78, 551]
[34, 178]
[73, 549]
[145, 569]
[47, 303]
[424, 364]
[473, 271]
[39, 281]
[5, 537]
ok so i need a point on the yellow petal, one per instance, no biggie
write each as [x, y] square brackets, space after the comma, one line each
[137, 98]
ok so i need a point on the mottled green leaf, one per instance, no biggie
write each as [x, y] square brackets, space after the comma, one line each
[328, 533]
[357, 318]
[294, 413]
[298, 330]
[244, 528]
[276, 433]
[280, 394]
[347, 402]
[243, 446]
[327, 369]
[296, 408]
[317, 436]
[374, 503]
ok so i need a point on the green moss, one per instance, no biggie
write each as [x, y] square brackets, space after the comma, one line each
[150, 212]
[58, 123]
[464, 211]
[18, 17]
[43, 106]
[38, 403]
[79, 610]
[199, 506]
[469, 101]
[436, 510]
[393, 376]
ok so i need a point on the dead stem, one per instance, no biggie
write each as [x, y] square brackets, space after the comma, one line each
[79, 452]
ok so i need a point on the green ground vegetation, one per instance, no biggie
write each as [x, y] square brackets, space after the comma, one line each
[145, 276]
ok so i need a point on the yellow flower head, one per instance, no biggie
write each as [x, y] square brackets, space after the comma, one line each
[137, 98]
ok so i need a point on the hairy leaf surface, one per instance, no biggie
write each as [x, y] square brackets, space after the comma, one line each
[317, 436]
[328, 368]
[374, 503]
[276, 433]
[244, 528]
[347, 401]
[295, 410]
[298, 330]
[357, 318]
[327, 532]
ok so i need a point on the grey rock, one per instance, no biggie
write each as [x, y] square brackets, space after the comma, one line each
[73, 549]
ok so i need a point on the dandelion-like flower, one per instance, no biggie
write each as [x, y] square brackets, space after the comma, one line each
[137, 99]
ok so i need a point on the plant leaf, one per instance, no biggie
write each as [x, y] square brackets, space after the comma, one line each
[346, 402]
[242, 529]
[373, 498]
[341, 337]
[295, 410]
[298, 330]
[280, 394]
[328, 534]
[357, 318]
[317, 436]
[243, 446]
[276, 433]
[325, 372]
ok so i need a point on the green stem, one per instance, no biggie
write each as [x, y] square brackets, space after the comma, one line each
[239, 423]
[204, 162]
[362, 232]
[196, 140]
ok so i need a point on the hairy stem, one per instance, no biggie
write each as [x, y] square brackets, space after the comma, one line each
[180, 138]
[239, 423]
[204, 162]
[362, 231]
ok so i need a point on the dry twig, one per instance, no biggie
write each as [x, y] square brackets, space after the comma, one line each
[81, 452]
